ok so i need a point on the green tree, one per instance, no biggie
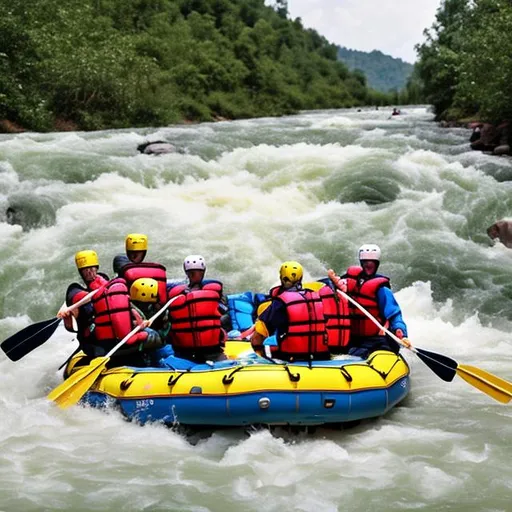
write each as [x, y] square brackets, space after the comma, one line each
[119, 63]
[439, 55]
[485, 69]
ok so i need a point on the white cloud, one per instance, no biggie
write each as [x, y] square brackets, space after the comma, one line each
[393, 27]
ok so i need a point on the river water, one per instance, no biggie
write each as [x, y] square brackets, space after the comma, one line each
[248, 195]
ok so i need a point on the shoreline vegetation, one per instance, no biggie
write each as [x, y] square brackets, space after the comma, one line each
[80, 65]
[107, 64]
[464, 69]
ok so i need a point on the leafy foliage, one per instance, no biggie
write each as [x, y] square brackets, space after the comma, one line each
[465, 62]
[119, 63]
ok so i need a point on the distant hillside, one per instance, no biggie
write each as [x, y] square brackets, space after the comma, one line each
[383, 72]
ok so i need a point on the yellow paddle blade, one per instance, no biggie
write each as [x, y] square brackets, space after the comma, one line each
[235, 349]
[497, 388]
[482, 374]
[314, 286]
[74, 388]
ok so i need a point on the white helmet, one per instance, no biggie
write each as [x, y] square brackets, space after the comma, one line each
[194, 262]
[369, 252]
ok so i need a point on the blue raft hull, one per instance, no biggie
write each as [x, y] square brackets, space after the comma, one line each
[241, 393]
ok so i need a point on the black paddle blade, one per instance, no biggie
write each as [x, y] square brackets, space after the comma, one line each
[444, 367]
[29, 338]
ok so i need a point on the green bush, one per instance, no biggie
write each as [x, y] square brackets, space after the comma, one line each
[120, 63]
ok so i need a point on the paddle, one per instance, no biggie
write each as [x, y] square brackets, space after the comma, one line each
[446, 368]
[29, 338]
[496, 387]
[74, 388]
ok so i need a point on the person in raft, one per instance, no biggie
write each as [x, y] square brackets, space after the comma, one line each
[132, 266]
[114, 317]
[373, 292]
[196, 315]
[87, 264]
[144, 299]
[296, 316]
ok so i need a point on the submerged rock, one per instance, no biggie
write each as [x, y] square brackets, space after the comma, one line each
[30, 211]
[158, 147]
[501, 230]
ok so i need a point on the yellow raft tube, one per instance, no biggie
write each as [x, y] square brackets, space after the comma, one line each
[251, 390]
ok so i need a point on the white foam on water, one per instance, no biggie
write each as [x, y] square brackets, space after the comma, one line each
[246, 209]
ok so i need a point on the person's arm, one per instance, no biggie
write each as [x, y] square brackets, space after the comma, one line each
[257, 337]
[338, 282]
[74, 294]
[138, 317]
[265, 324]
[390, 310]
[260, 333]
[147, 337]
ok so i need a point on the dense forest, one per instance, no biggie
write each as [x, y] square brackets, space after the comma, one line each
[383, 72]
[94, 64]
[465, 63]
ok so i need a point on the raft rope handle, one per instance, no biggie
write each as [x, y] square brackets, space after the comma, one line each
[345, 373]
[172, 381]
[228, 379]
[394, 364]
[384, 375]
[291, 376]
[127, 382]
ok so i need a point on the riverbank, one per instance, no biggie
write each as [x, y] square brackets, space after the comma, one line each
[486, 137]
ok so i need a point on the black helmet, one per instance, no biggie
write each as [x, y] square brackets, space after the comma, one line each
[119, 262]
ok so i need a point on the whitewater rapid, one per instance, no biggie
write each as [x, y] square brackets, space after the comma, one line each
[248, 195]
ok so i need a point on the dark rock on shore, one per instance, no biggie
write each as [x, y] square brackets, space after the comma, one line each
[494, 139]
[501, 230]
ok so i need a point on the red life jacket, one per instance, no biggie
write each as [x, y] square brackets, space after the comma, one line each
[364, 291]
[306, 334]
[76, 292]
[337, 317]
[112, 313]
[134, 271]
[195, 317]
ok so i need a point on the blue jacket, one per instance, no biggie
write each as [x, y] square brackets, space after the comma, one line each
[390, 310]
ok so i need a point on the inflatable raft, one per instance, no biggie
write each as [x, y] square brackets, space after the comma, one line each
[252, 390]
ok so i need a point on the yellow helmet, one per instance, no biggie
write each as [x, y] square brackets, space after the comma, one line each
[136, 242]
[144, 289]
[85, 259]
[291, 272]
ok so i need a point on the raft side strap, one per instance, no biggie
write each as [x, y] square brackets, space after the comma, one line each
[172, 380]
[345, 373]
[384, 375]
[228, 379]
[394, 364]
[291, 376]
[127, 382]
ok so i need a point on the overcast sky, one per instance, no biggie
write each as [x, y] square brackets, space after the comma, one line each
[391, 26]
